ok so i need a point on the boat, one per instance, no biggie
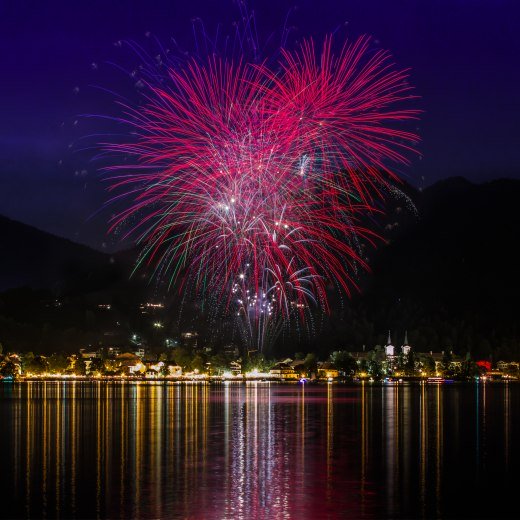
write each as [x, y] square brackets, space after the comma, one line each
[438, 380]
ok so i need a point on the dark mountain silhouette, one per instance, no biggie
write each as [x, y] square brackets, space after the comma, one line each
[449, 276]
[461, 254]
[38, 260]
[34, 258]
[51, 290]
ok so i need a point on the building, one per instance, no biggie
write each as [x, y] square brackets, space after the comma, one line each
[130, 364]
[154, 365]
[284, 371]
[456, 363]
[389, 348]
[174, 370]
[326, 370]
[151, 374]
[406, 348]
[89, 354]
[236, 368]
[508, 366]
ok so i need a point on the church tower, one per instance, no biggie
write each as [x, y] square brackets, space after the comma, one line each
[389, 348]
[406, 347]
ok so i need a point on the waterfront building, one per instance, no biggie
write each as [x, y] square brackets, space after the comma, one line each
[284, 371]
[129, 363]
[326, 370]
[236, 368]
[154, 364]
[151, 374]
[456, 362]
[508, 366]
[174, 370]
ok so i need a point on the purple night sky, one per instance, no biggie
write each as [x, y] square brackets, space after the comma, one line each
[463, 56]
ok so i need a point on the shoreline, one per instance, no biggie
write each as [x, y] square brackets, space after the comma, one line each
[219, 380]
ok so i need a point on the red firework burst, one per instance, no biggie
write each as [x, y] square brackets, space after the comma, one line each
[246, 180]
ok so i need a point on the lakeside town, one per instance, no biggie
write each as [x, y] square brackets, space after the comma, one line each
[189, 362]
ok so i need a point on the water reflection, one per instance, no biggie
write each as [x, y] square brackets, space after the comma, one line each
[96, 450]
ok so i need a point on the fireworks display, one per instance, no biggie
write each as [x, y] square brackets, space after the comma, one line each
[249, 184]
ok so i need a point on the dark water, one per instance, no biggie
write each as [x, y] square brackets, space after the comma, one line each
[102, 450]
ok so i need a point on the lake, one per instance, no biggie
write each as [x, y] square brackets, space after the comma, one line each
[259, 450]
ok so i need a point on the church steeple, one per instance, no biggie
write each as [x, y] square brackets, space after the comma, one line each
[406, 348]
[389, 348]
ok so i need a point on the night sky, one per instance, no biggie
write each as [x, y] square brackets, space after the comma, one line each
[463, 55]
